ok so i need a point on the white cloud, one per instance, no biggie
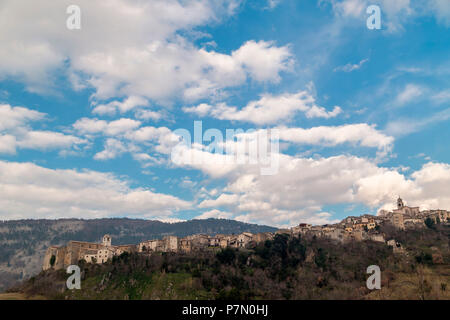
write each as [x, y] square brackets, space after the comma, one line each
[357, 135]
[311, 184]
[409, 93]
[128, 104]
[112, 128]
[15, 132]
[352, 8]
[264, 60]
[13, 117]
[407, 126]
[349, 67]
[360, 134]
[393, 13]
[426, 187]
[7, 144]
[216, 214]
[32, 191]
[442, 97]
[146, 57]
[43, 140]
[223, 200]
[146, 115]
[113, 148]
[202, 109]
[44, 42]
[162, 138]
[268, 109]
[441, 8]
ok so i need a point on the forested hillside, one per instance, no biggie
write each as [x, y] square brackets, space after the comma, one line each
[288, 267]
[23, 242]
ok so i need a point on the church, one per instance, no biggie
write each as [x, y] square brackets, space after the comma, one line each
[61, 257]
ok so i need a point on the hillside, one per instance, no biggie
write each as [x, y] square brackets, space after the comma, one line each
[283, 268]
[23, 242]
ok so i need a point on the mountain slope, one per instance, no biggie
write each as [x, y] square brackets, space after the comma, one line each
[287, 267]
[23, 242]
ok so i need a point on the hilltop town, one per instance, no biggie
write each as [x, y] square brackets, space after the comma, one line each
[365, 227]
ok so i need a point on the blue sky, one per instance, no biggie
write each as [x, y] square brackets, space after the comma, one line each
[89, 116]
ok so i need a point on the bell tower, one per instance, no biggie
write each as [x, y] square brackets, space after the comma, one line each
[106, 240]
[400, 203]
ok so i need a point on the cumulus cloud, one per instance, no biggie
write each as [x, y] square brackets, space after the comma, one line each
[223, 200]
[112, 128]
[13, 117]
[127, 136]
[112, 107]
[304, 186]
[216, 214]
[32, 191]
[268, 109]
[113, 148]
[264, 60]
[146, 57]
[16, 132]
[48, 140]
[360, 134]
[424, 188]
[7, 144]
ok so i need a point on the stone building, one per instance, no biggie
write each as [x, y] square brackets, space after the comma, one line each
[185, 245]
[167, 244]
[61, 257]
[397, 220]
[244, 239]
[151, 245]
[225, 242]
[199, 241]
[170, 243]
[377, 237]
[262, 236]
[405, 210]
[396, 246]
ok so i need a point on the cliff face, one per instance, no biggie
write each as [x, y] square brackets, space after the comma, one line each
[24, 243]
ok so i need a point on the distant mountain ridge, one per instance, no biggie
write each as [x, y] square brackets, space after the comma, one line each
[23, 242]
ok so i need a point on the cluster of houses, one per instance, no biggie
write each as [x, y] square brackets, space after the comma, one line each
[365, 227]
[202, 241]
[405, 217]
[360, 228]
